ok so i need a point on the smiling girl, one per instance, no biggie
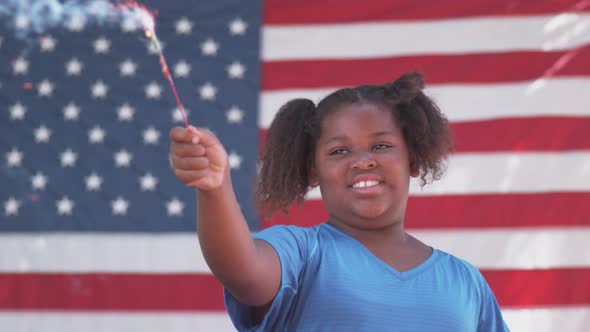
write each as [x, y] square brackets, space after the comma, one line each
[360, 270]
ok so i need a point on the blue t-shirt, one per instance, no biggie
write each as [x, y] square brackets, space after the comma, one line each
[331, 282]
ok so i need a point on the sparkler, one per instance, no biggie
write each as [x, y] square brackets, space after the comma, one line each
[152, 35]
[148, 23]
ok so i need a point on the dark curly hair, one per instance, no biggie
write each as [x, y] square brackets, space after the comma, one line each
[289, 147]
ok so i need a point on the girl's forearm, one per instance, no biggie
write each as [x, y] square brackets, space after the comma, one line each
[224, 236]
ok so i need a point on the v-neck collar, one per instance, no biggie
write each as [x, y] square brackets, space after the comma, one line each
[405, 275]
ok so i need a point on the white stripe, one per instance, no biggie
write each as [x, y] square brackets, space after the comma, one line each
[570, 319]
[497, 249]
[379, 39]
[533, 248]
[80, 252]
[556, 96]
[522, 172]
[21, 321]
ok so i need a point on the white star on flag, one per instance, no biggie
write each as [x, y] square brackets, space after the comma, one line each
[153, 90]
[96, 135]
[17, 111]
[71, 112]
[120, 206]
[42, 134]
[68, 158]
[20, 66]
[93, 182]
[236, 70]
[234, 115]
[151, 135]
[127, 68]
[123, 158]
[148, 182]
[235, 160]
[65, 206]
[45, 88]
[39, 181]
[99, 89]
[237, 27]
[174, 207]
[47, 43]
[125, 112]
[74, 67]
[129, 25]
[102, 45]
[177, 115]
[152, 49]
[21, 22]
[208, 91]
[77, 23]
[182, 69]
[14, 157]
[11, 206]
[184, 26]
[209, 47]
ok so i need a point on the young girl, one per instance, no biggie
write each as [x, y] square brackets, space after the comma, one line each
[359, 271]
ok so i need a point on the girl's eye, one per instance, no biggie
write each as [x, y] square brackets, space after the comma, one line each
[380, 146]
[338, 151]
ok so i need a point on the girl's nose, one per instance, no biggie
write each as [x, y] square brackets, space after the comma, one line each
[364, 161]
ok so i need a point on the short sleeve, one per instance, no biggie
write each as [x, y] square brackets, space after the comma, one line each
[490, 316]
[292, 246]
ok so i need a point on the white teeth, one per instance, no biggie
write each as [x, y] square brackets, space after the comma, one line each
[364, 184]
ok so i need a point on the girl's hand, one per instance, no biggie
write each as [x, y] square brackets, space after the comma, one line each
[198, 158]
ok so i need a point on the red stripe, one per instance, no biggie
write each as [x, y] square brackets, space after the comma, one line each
[336, 11]
[53, 291]
[193, 292]
[523, 134]
[438, 69]
[524, 288]
[517, 134]
[469, 211]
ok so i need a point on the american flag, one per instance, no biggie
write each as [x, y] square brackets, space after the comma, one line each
[98, 235]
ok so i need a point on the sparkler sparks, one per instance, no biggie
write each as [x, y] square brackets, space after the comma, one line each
[37, 16]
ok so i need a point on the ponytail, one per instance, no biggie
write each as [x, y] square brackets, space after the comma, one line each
[287, 151]
[425, 128]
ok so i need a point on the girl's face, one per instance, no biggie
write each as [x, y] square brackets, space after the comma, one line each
[362, 166]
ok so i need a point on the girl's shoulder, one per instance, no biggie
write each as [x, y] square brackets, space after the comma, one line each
[462, 266]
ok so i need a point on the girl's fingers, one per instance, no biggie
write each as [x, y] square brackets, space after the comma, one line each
[187, 150]
[181, 135]
[188, 177]
[204, 136]
[189, 163]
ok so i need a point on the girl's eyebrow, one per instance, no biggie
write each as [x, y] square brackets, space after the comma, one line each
[341, 138]
[337, 139]
[384, 133]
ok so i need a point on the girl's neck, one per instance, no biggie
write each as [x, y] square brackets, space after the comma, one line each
[391, 235]
[391, 244]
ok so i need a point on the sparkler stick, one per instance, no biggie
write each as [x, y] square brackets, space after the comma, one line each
[152, 35]
[147, 20]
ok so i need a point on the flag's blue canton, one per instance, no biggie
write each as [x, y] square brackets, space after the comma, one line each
[107, 168]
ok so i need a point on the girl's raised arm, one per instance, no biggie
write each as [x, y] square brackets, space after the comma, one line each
[249, 269]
